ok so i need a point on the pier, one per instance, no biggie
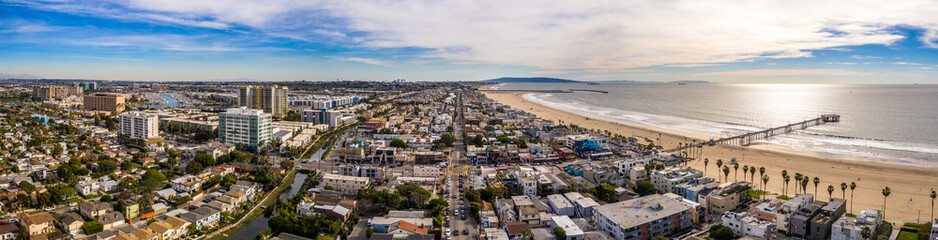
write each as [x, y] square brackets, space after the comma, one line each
[747, 138]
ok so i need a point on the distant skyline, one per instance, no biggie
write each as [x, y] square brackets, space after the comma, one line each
[283, 40]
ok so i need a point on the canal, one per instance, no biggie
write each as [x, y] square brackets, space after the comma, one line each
[260, 223]
[170, 102]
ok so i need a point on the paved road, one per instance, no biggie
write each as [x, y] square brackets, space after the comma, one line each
[457, 159]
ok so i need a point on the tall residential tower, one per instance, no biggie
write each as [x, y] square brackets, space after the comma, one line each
[271, 99]
[249, 127]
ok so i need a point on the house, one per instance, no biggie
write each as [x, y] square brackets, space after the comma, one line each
[246, 187]
[347, 184]
[143, 234]
[847, 228]
[582, 206]
[186, 184]
[131, 209]
[407, 228]
[88, 186]
[495, 234]
[201, 217]
[111, 219]
[179, 226]
[560, 205]
[237, 197]
[38, 223]
[69, 222]
[822, 224]
[9, 231]
[162, 230]
[167, 193]
[220, 206]
[515, 229]
[572, 230]
[744, 225]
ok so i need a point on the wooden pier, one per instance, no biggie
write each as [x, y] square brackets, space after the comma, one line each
[747, 138]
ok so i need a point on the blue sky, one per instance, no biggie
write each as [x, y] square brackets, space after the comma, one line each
[765, 41]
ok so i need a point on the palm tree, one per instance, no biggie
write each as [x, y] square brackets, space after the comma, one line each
[706, 161]
[886, 192]
[798, 178]
[853, 185]
[765, 180]
[816, 181]
[787, 179]
[762, 173]
[843, 190]
[752, 174]
[830, 191]
[933, 195]
[784, 176]
[719, 164]
[745, 170]
[726, 173]
[735, 171]
[804, 184]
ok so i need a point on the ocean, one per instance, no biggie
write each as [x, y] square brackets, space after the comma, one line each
[889, 123]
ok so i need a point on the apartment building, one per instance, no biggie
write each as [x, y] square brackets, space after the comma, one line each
[270, 99]
[347, 184]
[50, 92]
[848, 228]
[643, 218]
[666, 180]
[139, 128]
[248, 127]
[107, 102]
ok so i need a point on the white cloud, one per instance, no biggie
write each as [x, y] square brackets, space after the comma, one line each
[367, 61]
[863, 57]
[589, 36]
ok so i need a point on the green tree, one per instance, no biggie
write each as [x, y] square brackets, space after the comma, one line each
[398, 143]
[559, 233]
[720, 232]
[866, 233]
[205, 159]
[26, 186]
[830, 191]
[92, 227]
[286, 164]
[606, 193]
[472, 195]
[645, 188]
[478, 140]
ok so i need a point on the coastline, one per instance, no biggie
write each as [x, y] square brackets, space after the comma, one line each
[905, 181]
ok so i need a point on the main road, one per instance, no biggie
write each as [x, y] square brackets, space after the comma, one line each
[459, 168]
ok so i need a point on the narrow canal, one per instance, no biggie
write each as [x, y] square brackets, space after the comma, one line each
[260, 223]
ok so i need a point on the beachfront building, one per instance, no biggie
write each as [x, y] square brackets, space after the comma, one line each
[666, 180]
[849, 228]
[249, 127]
[108, 102]
[727, 196]
[822, 223]
[643, 218]
[784, 213]
[139, 128]
[271, 99]
[347, 184]
[745, 225]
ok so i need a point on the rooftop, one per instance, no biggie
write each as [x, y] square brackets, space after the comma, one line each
[638, 211]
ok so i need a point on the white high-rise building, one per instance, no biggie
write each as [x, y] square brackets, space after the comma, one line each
[137, 125]
[250, 127]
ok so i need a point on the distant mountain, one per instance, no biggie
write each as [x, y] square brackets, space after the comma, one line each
[531, 80]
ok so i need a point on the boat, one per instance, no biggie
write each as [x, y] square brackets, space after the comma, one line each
[681, 83]
[592, 83]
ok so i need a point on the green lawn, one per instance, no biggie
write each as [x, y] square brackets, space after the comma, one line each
[906, 235]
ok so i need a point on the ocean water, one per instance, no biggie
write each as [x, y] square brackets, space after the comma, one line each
[892, 123]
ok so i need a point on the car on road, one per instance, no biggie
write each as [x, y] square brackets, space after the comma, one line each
[448, 232]
[455, 212]
[465, 231]
[456, 233]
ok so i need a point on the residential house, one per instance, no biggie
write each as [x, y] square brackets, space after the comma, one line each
[111, 219]
[69, 222]
[849, 228]
[38, 223]
[570, 228]
[94, 209]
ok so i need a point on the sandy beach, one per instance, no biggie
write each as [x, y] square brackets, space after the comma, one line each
[905, 182]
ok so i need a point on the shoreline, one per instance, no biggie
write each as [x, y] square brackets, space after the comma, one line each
[905, 181]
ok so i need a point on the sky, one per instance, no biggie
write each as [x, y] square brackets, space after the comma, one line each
[283, 40]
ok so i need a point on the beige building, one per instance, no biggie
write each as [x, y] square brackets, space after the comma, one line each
[50, 92]
[108, 102]
[272, 99]
[346, 184]
[38, 223]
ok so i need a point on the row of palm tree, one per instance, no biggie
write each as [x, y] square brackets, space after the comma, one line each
[803, 181]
